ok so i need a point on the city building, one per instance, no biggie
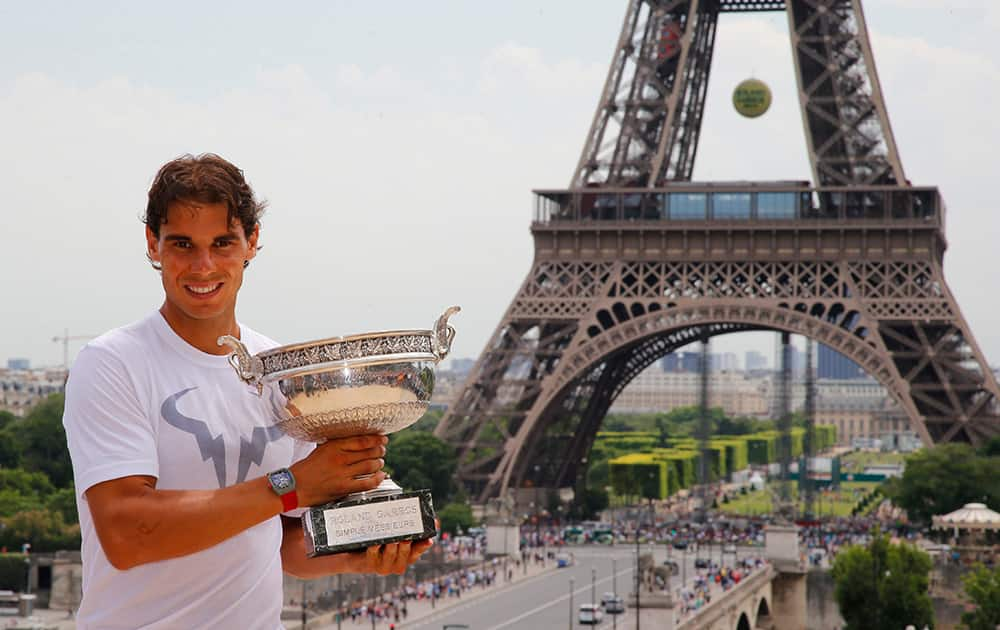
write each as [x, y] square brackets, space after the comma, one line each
[755, 361]
[20, 390]
[832, 364]
[670, 363]
[859, 408]
[18, 364]
[854, 406]
[657, 391]
[461, 366]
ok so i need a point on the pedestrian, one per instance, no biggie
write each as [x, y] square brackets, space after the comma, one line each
[188, 494]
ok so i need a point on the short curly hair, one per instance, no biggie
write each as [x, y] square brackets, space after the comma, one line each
[207, 178]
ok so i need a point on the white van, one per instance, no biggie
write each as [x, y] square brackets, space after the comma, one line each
[591, 614]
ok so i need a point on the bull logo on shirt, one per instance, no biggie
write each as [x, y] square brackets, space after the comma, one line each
[214, 447]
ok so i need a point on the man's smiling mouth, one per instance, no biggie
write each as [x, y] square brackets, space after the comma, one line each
[202, 290]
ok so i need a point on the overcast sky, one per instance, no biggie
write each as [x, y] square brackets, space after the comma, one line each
[398, 143]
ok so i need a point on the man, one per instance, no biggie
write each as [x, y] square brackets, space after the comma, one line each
[180, 476]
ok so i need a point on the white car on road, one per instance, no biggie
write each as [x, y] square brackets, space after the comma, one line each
[591, 613]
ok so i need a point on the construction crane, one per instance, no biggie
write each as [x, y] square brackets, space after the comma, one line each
[65, 338]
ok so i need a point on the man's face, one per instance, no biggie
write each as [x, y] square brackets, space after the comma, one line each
[202, 257]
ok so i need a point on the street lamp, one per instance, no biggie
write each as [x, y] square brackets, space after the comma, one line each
[614, 588]
[339, 600]
[571, 604]
[593, 585]
[638, 586]
[538, 506]
[304, 583]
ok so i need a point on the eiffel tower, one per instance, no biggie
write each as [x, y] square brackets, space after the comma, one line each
[634, 260]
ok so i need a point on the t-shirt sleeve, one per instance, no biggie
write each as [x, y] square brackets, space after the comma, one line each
[299, 452]
[108, 432]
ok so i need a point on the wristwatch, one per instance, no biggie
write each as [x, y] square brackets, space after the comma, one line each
[283, 483]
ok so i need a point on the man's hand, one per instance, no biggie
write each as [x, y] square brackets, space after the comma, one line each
[386, 559]
[330, 471]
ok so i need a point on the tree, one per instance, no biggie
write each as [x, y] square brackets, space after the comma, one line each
[45, 530]
[429, 421]
[944, 478]
[63, 501]
[42, 441]
[982, 587]
[419, 460]
[616, 423]
[883, 584]
[24, 482]
[456, 515]
[591, 503]
[6, 418]
[21, 490]
[991, 448]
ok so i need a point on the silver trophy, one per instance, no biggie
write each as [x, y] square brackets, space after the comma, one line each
[361, 384]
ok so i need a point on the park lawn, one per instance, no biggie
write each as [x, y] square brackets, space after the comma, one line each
[858, 460]
[833, 503]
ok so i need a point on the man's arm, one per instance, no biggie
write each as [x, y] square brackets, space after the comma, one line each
[380, 559]
[137, 523]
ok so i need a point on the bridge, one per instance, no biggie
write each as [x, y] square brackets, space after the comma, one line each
[746, 606]
[771, 596]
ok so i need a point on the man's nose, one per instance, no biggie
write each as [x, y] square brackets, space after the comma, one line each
[203, 260]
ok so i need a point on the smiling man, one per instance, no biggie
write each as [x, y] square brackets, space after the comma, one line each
[187, 494]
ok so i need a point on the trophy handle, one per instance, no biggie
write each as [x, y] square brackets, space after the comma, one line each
[443, 334]
[249, 368]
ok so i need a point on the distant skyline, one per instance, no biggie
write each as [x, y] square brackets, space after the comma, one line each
[398, 145]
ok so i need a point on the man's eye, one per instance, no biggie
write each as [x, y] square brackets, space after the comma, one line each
[182, 244]
[223, 243]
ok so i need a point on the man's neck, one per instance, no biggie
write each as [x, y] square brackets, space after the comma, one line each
[203, 334]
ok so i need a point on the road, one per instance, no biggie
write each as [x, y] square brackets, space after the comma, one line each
[544, 602]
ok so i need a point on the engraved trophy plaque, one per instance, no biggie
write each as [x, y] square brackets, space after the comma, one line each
[361, 384]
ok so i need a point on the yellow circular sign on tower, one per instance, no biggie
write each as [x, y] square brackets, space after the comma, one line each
[752, 98]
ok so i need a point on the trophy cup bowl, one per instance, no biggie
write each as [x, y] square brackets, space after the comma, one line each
[360, 384]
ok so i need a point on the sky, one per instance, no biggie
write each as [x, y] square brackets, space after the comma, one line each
[397, 145]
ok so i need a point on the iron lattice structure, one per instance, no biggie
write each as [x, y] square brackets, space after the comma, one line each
[634, 261]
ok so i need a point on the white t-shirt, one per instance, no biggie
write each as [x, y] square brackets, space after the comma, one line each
[142, 401]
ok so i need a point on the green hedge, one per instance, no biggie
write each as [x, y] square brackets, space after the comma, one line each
[683, 466]
[640, 474]
[762, 448]
[13, 571]
[737, 457]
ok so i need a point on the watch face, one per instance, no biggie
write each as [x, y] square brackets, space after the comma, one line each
[281, 480]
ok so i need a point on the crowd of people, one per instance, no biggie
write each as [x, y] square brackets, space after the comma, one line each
[717, 578]
[393, 606]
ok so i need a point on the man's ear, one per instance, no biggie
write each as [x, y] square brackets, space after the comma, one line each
[152, 247]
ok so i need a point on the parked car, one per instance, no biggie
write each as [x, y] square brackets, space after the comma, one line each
[702, 563]
[563, 560]
[680, 544]
[591, 614]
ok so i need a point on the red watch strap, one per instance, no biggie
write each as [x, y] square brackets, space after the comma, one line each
[290, 501]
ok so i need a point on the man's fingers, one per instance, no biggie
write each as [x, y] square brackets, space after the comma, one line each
[369, 453]
[364, 485]
[390, 558]
[365, 466]
[374, 558]
[357, 443]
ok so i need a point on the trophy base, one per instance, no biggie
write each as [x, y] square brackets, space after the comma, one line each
[361, 520]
